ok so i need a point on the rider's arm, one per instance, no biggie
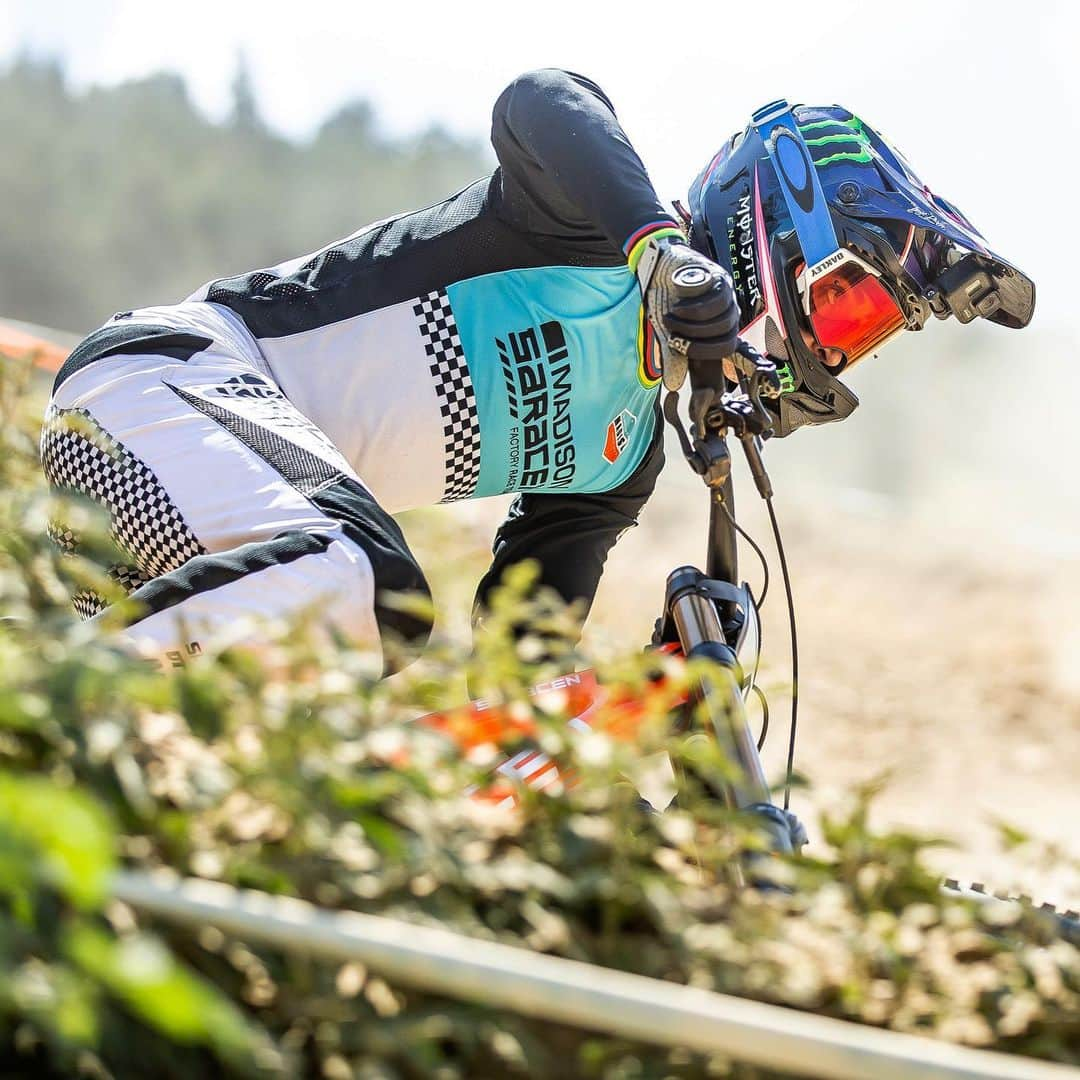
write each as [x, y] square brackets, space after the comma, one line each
[569, 536]
[568, 171]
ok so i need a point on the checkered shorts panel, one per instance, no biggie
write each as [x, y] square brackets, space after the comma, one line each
[78, 455]
[457, 398]
[88, 603]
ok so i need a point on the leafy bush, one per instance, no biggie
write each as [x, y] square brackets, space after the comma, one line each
[294, 772]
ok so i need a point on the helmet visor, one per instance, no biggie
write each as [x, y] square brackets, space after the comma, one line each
[850, 310]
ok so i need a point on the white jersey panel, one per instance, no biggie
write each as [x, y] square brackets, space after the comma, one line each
[367, 383]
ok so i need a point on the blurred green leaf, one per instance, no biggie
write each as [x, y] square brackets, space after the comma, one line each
[68, 831]
[142, 972]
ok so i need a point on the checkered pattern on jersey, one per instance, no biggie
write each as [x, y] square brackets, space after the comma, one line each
[78, 455]
[457, 399]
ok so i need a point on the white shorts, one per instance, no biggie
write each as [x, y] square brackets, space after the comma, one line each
[228, 503]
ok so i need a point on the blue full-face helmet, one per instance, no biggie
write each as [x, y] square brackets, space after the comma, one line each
[835, 246]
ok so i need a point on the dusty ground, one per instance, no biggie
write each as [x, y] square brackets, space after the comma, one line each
[953, 667]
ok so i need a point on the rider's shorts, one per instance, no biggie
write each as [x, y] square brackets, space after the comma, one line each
[227, 502]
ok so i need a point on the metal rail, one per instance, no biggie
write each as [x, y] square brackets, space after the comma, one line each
[573, 993]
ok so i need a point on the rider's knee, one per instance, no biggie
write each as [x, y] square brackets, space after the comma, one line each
[402, 600]
[401, 595]
[378, 594]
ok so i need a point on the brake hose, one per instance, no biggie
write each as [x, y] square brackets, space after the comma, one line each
[794, 650]
[758, 600]
[764, 701]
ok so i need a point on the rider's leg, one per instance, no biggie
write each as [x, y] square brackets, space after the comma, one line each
[228, 500]
[569, 536]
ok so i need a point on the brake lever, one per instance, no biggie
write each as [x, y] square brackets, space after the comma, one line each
[732, 410]
[758, 378]
[708, 454]
[714, 413]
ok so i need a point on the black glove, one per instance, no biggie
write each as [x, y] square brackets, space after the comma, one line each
[691, 304]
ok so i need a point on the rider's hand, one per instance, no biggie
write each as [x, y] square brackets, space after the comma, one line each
[691, 304]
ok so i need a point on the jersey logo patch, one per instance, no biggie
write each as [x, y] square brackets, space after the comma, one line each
[247, 386]
[618, 435]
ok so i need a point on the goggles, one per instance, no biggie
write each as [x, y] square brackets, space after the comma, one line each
[847, 306]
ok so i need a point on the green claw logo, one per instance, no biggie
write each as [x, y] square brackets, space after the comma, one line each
[853, 138]
[787, 378]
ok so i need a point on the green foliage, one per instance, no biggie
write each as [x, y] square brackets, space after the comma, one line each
[127, 196]
[293, 771]
[49, 836]
[149, 980]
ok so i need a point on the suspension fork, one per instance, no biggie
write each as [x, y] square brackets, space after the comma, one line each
[693, 609]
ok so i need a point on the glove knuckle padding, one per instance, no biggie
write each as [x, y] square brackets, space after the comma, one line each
[725, 328]
[715, 304]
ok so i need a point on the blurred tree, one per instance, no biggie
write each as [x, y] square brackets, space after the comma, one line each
[124, 196]
[245, 109]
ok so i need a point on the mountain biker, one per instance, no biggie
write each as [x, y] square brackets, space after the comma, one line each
[253, 442]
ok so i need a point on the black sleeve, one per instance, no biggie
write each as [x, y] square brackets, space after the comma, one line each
[570, 535]
[568, 169]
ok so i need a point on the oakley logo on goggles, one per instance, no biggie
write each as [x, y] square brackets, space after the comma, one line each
[846, 304]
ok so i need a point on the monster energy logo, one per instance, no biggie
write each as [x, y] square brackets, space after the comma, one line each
[787, 378]
[853, 137]
[741, 247]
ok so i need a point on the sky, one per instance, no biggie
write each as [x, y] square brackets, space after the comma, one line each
[981, 97]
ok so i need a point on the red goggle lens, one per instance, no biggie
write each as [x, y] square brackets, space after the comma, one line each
[852, 311]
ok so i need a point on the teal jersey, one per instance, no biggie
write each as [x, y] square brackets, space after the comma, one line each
[490, 343]
[563, 403]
